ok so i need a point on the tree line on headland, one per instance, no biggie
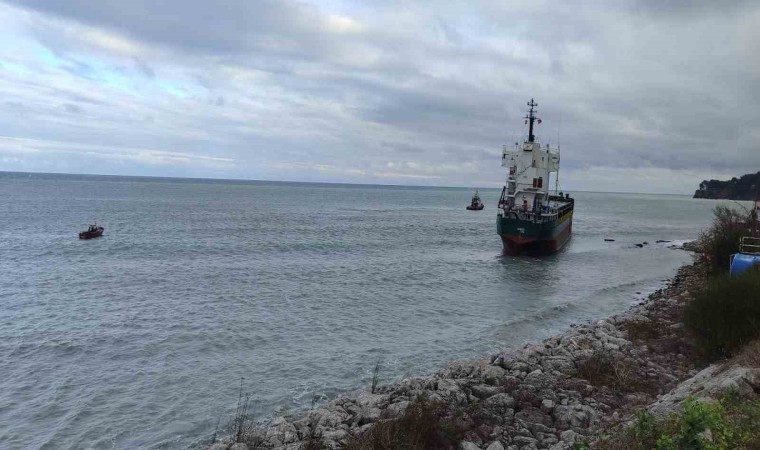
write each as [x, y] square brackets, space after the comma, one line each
[742, 188]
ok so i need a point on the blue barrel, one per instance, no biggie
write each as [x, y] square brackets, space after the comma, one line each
[743, 261]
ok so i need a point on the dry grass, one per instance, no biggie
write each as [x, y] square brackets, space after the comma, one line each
[312, 444]
[644, 331]
[426, 425]
[748, 356]
[602, 369]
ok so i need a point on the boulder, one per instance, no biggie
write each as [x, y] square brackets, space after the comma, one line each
[547, 405]
[499, 403]
[495, 445]
[493, 375]
[711, 383]
[570, 436]
[399, 408]
[283, 431]
[482, 391]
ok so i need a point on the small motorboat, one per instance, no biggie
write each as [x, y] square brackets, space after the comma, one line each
[92, 232]
[476, 204]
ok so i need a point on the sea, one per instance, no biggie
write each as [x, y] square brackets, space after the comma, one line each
[296, 291]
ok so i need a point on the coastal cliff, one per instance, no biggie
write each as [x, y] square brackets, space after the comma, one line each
[742, 188]
[555, 395]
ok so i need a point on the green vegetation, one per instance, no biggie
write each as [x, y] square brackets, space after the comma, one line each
[744, 188]
[729, 424]
[726, 314]
[721, 240]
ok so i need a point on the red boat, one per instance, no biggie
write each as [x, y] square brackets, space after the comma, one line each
[92, 232]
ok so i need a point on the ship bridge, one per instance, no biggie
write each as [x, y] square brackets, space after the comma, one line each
[530, 167]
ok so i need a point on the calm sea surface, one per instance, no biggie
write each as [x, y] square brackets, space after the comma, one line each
[139, 339]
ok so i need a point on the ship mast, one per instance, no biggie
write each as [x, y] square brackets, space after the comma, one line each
[531, 118]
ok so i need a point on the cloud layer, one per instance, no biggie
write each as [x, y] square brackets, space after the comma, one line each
[643, 96]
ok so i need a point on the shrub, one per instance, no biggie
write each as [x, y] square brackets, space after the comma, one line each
[725, 425]
[726, 314]
[602, 369]
[721, 240]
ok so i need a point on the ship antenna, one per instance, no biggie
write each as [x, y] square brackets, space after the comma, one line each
[531, 118]
[556, 179]
[559, 144]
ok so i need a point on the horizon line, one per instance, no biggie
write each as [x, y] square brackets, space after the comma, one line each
[163, 177]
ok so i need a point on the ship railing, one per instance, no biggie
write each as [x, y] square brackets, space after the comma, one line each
[536, 216]
[749, 244]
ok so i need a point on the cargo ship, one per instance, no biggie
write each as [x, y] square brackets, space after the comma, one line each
[530, 217]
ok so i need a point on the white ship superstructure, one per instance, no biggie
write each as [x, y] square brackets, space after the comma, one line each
[528, 211]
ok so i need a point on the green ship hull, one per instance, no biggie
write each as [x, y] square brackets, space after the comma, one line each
[520, 235]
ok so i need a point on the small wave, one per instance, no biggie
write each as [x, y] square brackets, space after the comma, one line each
[55, 347]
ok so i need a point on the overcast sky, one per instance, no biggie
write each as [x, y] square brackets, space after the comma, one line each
[643, 96]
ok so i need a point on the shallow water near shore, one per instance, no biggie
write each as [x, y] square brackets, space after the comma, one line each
[139, 339]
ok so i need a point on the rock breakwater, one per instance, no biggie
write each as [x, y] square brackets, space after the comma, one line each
[548, 395]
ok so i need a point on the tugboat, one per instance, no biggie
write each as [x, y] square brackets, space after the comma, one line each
[475, 204]
[530, 217]
[92, 232]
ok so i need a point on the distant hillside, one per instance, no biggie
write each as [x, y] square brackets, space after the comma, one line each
[744, 188]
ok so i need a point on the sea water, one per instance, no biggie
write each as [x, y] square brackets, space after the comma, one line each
[139, 339]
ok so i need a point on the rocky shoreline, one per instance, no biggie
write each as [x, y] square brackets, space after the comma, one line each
[544, 396]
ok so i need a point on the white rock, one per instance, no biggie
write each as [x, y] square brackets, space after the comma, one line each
[500, 403]
[569, 436]
[373, 400]
[495, 445]
[398, 408]
[710, 384]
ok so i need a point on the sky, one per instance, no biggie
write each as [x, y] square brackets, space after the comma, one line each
[641, 96]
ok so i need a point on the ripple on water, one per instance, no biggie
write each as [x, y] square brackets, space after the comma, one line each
[139, 339]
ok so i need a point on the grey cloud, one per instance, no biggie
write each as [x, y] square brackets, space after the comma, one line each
[468, 154]
[403, 148]
[227, 26]
[634, 85]
[72, 108]
[689, 9]
[145, 68]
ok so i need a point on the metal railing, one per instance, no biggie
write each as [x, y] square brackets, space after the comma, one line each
[749, 244]
[535, 216]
